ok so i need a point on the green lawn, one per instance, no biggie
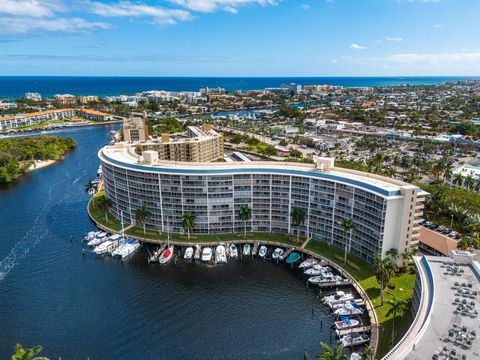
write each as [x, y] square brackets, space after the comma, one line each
[401, 286]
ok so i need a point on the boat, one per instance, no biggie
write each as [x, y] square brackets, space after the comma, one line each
[294, 256]
[346, 323]
[312, 271]
[348, 340]
[130, 247]
[349, 309]
[166, 255]
[277, 253]
[188, 253]
[220, 255]
[338, 297]
[207, 254]
[116, 249]
[104, 247]
[262, 252]
[90, 235]
[98, 239]
[308, 263]
[315, 279]
[198, 252]
[233, 251]
[247, 249]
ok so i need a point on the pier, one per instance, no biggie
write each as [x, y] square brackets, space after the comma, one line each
[157, 253]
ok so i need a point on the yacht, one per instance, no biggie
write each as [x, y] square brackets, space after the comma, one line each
[233, 251]
[263, 251]
[90, 235]
[346, 323]
[167, 255]
[348, 340]
[220, 255]
[277, 253]
[308, 263]
[188, 253]
[207, 254]
[98, 239]
[104, 247]
[247, 249]
[198, 252]
[349, 309]
[312, 271]
[129, 247]
[338, 297]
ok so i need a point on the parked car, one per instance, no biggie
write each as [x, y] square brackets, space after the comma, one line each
[446, 230]
[452, 234]
[459, 236]
[434, 226]
[422, 222]
[441, 228]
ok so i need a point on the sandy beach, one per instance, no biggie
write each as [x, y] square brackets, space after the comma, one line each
[39, 164]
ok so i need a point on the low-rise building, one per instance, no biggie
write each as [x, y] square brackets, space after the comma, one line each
[8, 105]
[33, 96]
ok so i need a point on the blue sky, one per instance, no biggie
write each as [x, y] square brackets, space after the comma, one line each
[240, 37]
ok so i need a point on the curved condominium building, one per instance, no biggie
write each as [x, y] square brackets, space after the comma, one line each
[385, 211]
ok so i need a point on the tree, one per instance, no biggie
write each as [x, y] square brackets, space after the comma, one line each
[348, 225]
[298, 218]
[142, 214]
[27, 354]
[296, 154]
[408, 254]
[329, 353]
[245, 214]
[463, 244]
[392, 254]
[188, 222]
[368, 353]
[458, 179]
[383, 273]
[105, 204]
[90, 188]
[469, 182]
[397, 308]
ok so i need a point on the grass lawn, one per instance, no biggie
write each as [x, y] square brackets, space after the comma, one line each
[99, 215]
[401, 286]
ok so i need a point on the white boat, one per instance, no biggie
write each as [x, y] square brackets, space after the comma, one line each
[312, 272]
[349, 309]
[359, 302]
[116, 249]
[346, 323]
[220, 255]
[207, 254]
[90, 235]
[98, 239]
[233, 251]
[262, 252]
[198, 252]
[315, 279]
[348, 340]
[247, 249]
[188, 253]
[308, 263]
[167, 255]
[277, 253]
[338, 297]
[104, 247]
[130, 247]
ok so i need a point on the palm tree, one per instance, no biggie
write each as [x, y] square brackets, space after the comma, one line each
[188, 222]
[245, 214]
[105, 204]
[383, 273]
[397, 308]
[458, 179]
[448, 168]
[368, 353]
[392, 254]
[463, 244]
[27, 354]
[408, 254]
[469, 182]
[298, 218]
[477, 185]
[348, 225]
[90, 188]
[329, 353]
[142, 214]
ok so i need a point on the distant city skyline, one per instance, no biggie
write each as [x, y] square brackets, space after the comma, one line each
[240, 37]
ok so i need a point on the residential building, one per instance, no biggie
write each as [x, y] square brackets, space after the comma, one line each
[135, 128]
[65, 99]
[87, 99]
[7, 105]
[33, 96]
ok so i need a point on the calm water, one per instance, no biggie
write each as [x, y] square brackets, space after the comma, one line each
[17, 86]
[81, 307]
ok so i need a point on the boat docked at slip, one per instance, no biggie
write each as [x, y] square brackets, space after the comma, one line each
[91, 235]
[207, 254]
[277, 253]
[188, 255]
[105, 247]
[247, 249]
[346, 323]
[233, 251]
[294, 256]
[98, 239]
[349, 309]
[130, 247]
[166, 255]
[262, 252]
[220, 254]
[308, 263]
[198, 252]
[312, 271]
[337, 298]
[348, 340]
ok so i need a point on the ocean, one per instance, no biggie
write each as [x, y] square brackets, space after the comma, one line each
[12, 87]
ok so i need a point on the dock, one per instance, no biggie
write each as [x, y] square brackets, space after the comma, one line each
[285, 255]
[357, 330]
[157, 253]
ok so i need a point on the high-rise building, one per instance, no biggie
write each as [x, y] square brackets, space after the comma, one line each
[135, 128]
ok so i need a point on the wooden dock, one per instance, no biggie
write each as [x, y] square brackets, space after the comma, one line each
[285, 255]
[157, 253]
[357, 330]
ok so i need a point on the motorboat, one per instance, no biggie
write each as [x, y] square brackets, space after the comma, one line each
[166, 255]
[233, 251]
[294, 256]
[98, 239]
[338, 297]
[207, 254]
[115, 237]
[90, 235]
[348, 340]
[198, 252]
[346, 323]
[220, 255]
[315, 279]
[104, 247]
[349, 309]
[359, 302]
[188, 253]
[262, 252]
[308, 263]
[247, 249]
[312, 272]
[277, 253]
[116, 249]
[130, 247]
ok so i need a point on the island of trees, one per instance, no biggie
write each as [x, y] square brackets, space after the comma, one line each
[17, 155]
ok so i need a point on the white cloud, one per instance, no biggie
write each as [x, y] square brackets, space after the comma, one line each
[452, 59]
[20, 26]
[395, 39]
[215, 5]
[305, 6]
[127, 9]
[357, 47]
[30, 8]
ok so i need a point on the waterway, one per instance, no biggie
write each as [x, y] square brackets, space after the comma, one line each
[84, 307]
